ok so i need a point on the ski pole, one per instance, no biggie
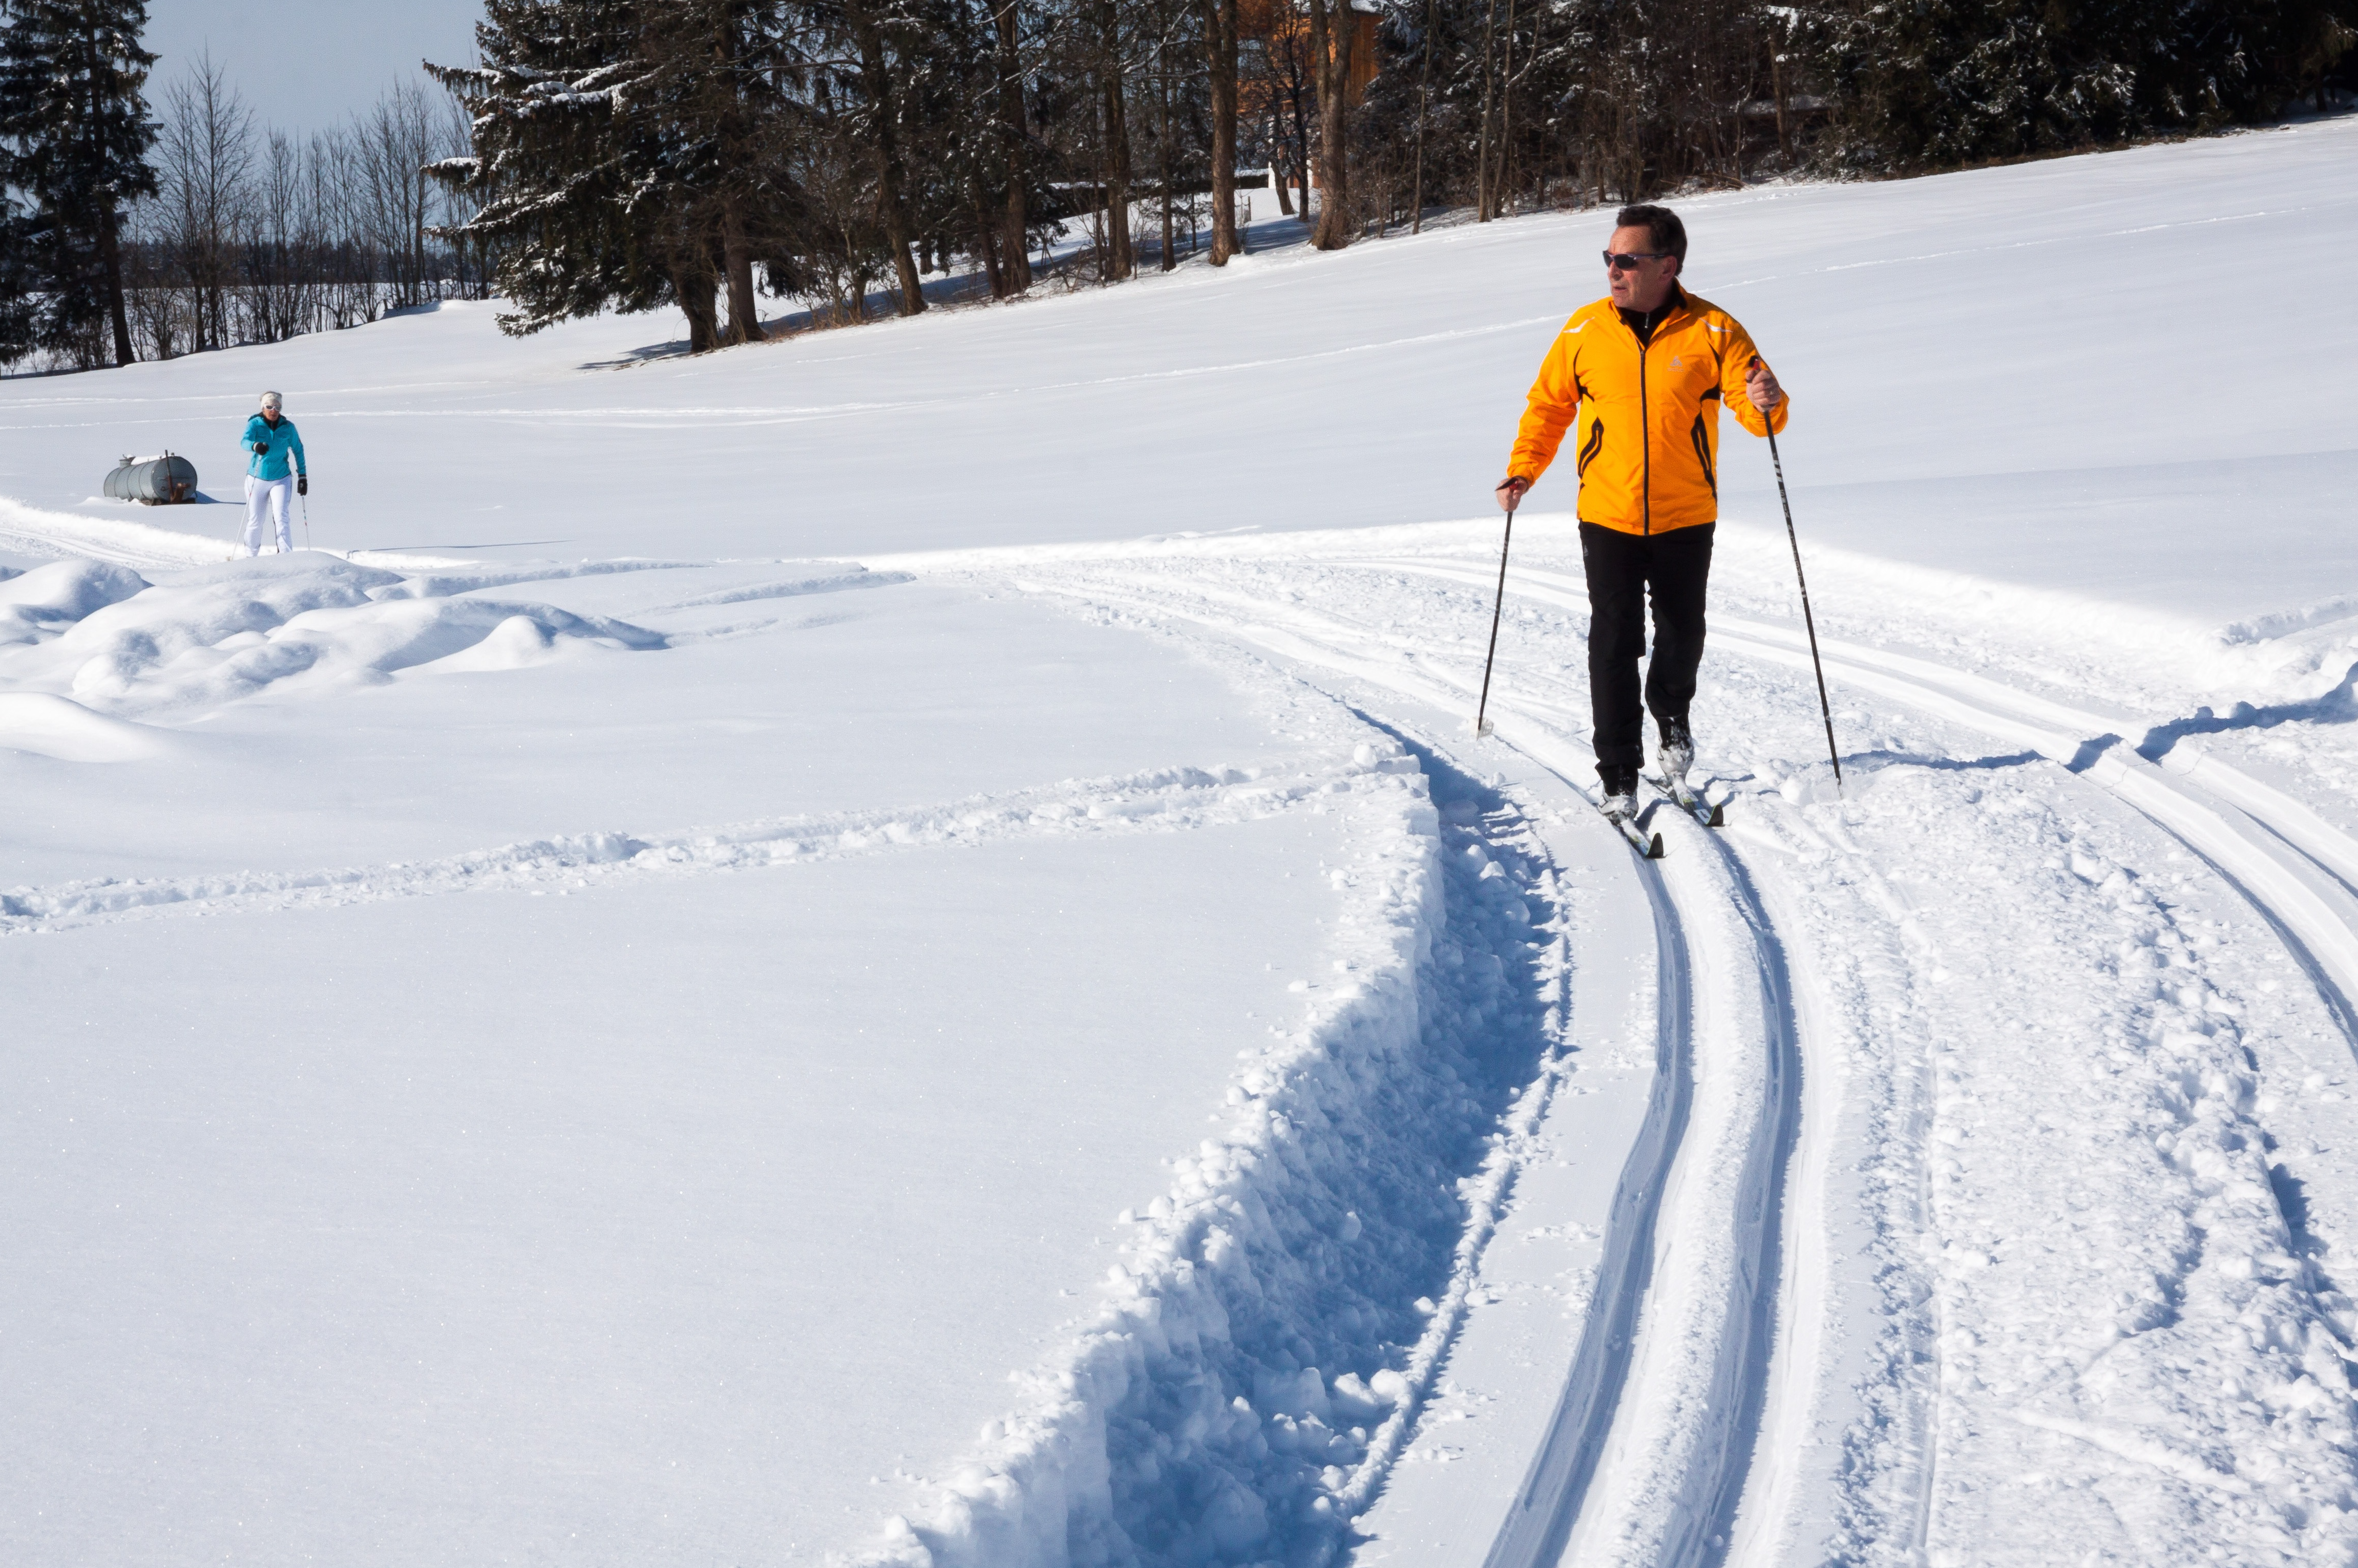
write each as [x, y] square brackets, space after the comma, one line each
[306, 522]
[1825, 709]
[1481, 713]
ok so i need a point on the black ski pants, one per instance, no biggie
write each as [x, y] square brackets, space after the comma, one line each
[1621, 569]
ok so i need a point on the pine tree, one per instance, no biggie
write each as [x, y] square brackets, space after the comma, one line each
[74, 135]
[552, 166]
[627, 151]
[16, 289]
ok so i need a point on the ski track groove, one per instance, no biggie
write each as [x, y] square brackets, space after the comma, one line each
[1163, 799]
[2295, 899]
[1712, 918]
[1728, 1296]
[2297, 872]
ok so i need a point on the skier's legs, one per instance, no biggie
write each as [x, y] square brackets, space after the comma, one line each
[1678, 568]
[257, 498]
[282, 497]
[1615, 564]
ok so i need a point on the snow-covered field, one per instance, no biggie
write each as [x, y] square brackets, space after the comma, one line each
[893, 945]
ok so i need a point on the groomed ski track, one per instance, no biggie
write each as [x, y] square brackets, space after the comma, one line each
[1700, 1379]
[2293, 866]
[1712, 1399]
[1685, 1307]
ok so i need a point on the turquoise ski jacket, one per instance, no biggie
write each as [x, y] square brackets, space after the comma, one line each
[272, 464]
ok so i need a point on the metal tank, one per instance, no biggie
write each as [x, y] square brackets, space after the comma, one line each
[163, 481]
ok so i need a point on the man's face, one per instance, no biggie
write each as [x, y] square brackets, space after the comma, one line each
[1644, 285]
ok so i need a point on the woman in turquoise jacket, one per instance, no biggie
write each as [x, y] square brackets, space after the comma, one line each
[272, 444]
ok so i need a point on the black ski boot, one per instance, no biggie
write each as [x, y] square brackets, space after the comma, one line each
[1620, 808]
[1675, 752]
[1620, 784]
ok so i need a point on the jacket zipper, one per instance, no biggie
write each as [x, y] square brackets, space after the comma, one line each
[1645, 444]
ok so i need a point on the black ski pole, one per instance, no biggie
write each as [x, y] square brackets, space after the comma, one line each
[1825, 709]
[1481, 713]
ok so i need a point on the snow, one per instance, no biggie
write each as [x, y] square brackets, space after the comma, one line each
[892, 946]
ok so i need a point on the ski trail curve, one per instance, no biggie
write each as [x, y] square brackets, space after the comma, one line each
[2297, 871]
[2294, 871]
[1686, 1305]
[1549, 1499]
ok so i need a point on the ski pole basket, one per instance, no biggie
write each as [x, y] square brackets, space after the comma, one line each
[161, 481]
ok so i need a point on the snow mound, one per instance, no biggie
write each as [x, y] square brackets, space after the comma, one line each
[199, 639]
[59, 728]
[46, 598]
[517, 643]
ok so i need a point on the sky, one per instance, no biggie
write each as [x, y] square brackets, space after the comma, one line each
[307, 66]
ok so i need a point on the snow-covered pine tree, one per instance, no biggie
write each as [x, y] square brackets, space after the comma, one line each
[552, 169]
[74, 136]
[626, 152]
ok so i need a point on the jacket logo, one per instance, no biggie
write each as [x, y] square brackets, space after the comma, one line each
[1677, 363]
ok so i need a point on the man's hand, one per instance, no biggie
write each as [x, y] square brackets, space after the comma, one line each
[1761, 387]
[302, 484]
[262, 449]
[1510, 492]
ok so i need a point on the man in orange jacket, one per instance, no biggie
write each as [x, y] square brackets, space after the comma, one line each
[1643, 374]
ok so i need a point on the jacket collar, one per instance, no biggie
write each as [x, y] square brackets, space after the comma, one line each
[1659, 316]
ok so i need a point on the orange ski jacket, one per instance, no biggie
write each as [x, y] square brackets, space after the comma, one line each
[1649, 412]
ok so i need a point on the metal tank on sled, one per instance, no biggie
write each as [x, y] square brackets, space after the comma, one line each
[162, 481]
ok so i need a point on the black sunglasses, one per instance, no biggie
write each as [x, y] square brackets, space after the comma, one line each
[1626, 261]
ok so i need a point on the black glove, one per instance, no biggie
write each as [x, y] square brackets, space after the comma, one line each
[263, 448]
[302, 484]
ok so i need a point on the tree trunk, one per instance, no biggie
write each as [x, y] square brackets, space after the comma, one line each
[1299, 155]
[110, 255]
[986, 246]
[1122, 257]
[876, 80]
[1221, 43]
[693, 284]
[1507, 114]
[1423, 96]
[1482, 154]
[1015, 261]
[1331, 39]
[1163, 137]
[737, 261]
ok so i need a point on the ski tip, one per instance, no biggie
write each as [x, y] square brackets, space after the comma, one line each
[1654, 848]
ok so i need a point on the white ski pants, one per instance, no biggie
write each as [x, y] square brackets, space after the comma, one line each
[274, 495]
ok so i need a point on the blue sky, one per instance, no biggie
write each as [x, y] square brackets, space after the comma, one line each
[307, 66]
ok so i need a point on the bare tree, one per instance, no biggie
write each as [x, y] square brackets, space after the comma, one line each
[392, 146]
[205, 157]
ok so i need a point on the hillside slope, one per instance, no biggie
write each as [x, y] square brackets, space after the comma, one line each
[894, 946]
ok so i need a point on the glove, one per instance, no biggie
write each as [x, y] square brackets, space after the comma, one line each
[262, 449]
[302, 484]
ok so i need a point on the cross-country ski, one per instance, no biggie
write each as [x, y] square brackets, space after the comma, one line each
[1711, 814]
[1178, 785]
